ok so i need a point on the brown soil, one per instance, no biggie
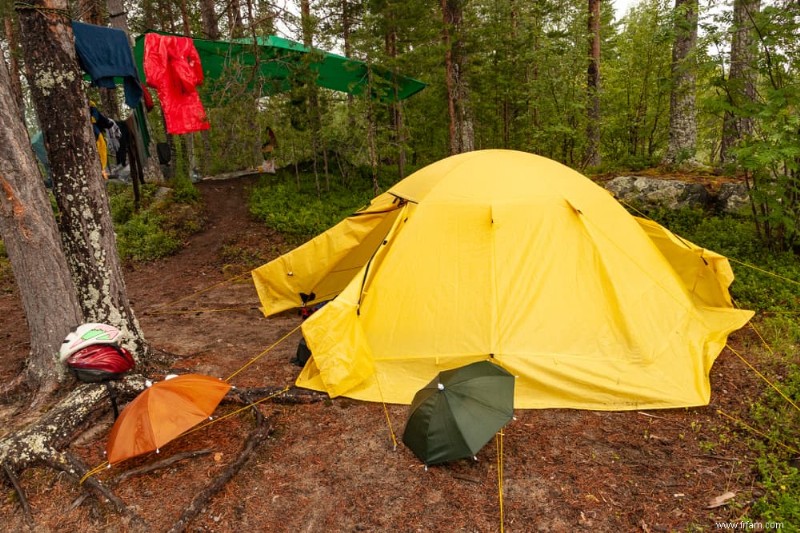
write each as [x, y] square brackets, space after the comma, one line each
[331, 465]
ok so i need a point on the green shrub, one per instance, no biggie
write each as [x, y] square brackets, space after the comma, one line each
[160, 225]
[298, 212]
[144, 237]
[184, 191]
[779, 467]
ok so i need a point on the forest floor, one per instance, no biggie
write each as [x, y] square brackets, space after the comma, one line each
[330, 466]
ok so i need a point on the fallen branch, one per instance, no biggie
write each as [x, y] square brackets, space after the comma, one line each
[257, 437]
[464, 477]
[292, 396]
[160, 464]
[720, 458]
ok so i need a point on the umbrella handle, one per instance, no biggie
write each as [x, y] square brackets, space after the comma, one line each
[112, 394]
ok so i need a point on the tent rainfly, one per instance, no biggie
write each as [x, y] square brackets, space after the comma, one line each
[510, 257]
[279, 61]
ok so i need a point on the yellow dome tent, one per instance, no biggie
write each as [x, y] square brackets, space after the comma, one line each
[510, 257]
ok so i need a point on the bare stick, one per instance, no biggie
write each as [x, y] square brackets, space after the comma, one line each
[291, 396]
[160, 464]
[257, 437]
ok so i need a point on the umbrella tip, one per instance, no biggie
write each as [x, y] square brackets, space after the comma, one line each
[441, 387]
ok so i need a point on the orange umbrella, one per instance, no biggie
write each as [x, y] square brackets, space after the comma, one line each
[163, 412]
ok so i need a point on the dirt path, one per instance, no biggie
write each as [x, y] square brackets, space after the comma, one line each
[331, 466]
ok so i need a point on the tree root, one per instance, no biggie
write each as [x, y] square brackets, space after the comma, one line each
[41, 441]
[256, 438]
[75, 468]
[45, 440]
[26, 508]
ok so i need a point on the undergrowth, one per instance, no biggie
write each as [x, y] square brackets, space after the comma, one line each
[158, 229]
[292, 206]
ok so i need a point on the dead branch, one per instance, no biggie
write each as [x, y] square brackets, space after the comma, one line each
[159, 465]
[292, 396]
[256, 438]
[471, 479]
[720, 458]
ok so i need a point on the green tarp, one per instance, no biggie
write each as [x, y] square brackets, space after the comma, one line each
[274, 64]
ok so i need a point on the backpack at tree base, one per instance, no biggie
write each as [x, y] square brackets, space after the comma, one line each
[93, 354]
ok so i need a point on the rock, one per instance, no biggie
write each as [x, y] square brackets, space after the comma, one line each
[732, 197]
[676, 194]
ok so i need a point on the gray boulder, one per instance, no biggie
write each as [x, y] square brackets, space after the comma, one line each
[676, 194]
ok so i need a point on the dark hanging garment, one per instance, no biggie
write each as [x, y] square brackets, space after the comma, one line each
[105, 54]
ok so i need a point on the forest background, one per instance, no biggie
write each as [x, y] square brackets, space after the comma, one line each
[686, 85]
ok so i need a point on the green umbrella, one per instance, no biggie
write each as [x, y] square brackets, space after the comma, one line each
[458, 412]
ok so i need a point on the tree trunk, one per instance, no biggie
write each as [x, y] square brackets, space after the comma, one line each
[682, 113]
[91, 11]
[593, 87]
[347, 37]
[235, 19]
[30, 235]
[462, 137]
[117, 16]
[741, 79]
[396, 109]
[87, 233]
[13, 60]
[209, 19]
[308, 25]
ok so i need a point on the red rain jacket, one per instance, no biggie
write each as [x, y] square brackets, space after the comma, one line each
[172, 67]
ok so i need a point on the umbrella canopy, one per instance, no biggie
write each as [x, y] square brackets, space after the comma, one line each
[162, 412]
[458, 412]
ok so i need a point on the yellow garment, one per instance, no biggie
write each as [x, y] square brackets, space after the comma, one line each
[512, 257]
[102, 151]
